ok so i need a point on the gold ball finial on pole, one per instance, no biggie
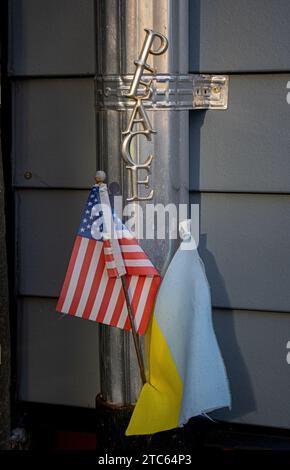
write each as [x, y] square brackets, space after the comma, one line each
[100, 177]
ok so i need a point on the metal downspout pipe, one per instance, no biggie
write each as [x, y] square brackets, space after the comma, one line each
[120, 34]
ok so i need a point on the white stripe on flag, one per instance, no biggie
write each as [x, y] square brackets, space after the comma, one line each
[110, 265]
[75, 275]
[109, 224]
[99, 295]
[142, 301]
[123, 316]
[124, 234]
[131, 248]
[89, 279]
[131, 290]
[113, 301]
[136, 263]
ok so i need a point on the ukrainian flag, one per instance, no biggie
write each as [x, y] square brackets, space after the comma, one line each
[187, 376]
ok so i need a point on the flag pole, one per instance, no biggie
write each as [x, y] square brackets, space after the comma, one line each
[100, 178]
[134, 332]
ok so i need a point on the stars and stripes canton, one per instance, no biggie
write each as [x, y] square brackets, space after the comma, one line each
[92, 287]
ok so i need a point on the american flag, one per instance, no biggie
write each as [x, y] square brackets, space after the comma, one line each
[92, 287]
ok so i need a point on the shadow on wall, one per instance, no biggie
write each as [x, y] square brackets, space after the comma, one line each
[243, 400]
[194, 34]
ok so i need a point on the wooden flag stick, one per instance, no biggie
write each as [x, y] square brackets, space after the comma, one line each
[100, 178]
[134, 332]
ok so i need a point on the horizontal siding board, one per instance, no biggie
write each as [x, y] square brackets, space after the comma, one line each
[57, 355]
[47, 223]
[253, 345]
[52, 37]
[239, 36]
[54, 132]
[246, 147]
[245, 245]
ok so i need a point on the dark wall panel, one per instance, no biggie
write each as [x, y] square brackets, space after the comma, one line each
[47, 223]
[246, 147]
[245, 245]
[254, 347]
[52, 68]
[54, 132]
[239, 35]
[52, 37]
[58, 355]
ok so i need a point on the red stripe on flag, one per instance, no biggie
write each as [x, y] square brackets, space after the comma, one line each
[106, 299]
[149, 305]
[135, 300]
[82, 277]
[127, 282]
[68, 274]
[127, 241]
[109, 258]
[95, 286]
[118, 308]
[137, 293]
[134, 255]
[141, 271]
[112, 272]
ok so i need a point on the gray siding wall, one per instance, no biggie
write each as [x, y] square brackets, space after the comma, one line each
[239, 173]
[240, 176]
[52, 65]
